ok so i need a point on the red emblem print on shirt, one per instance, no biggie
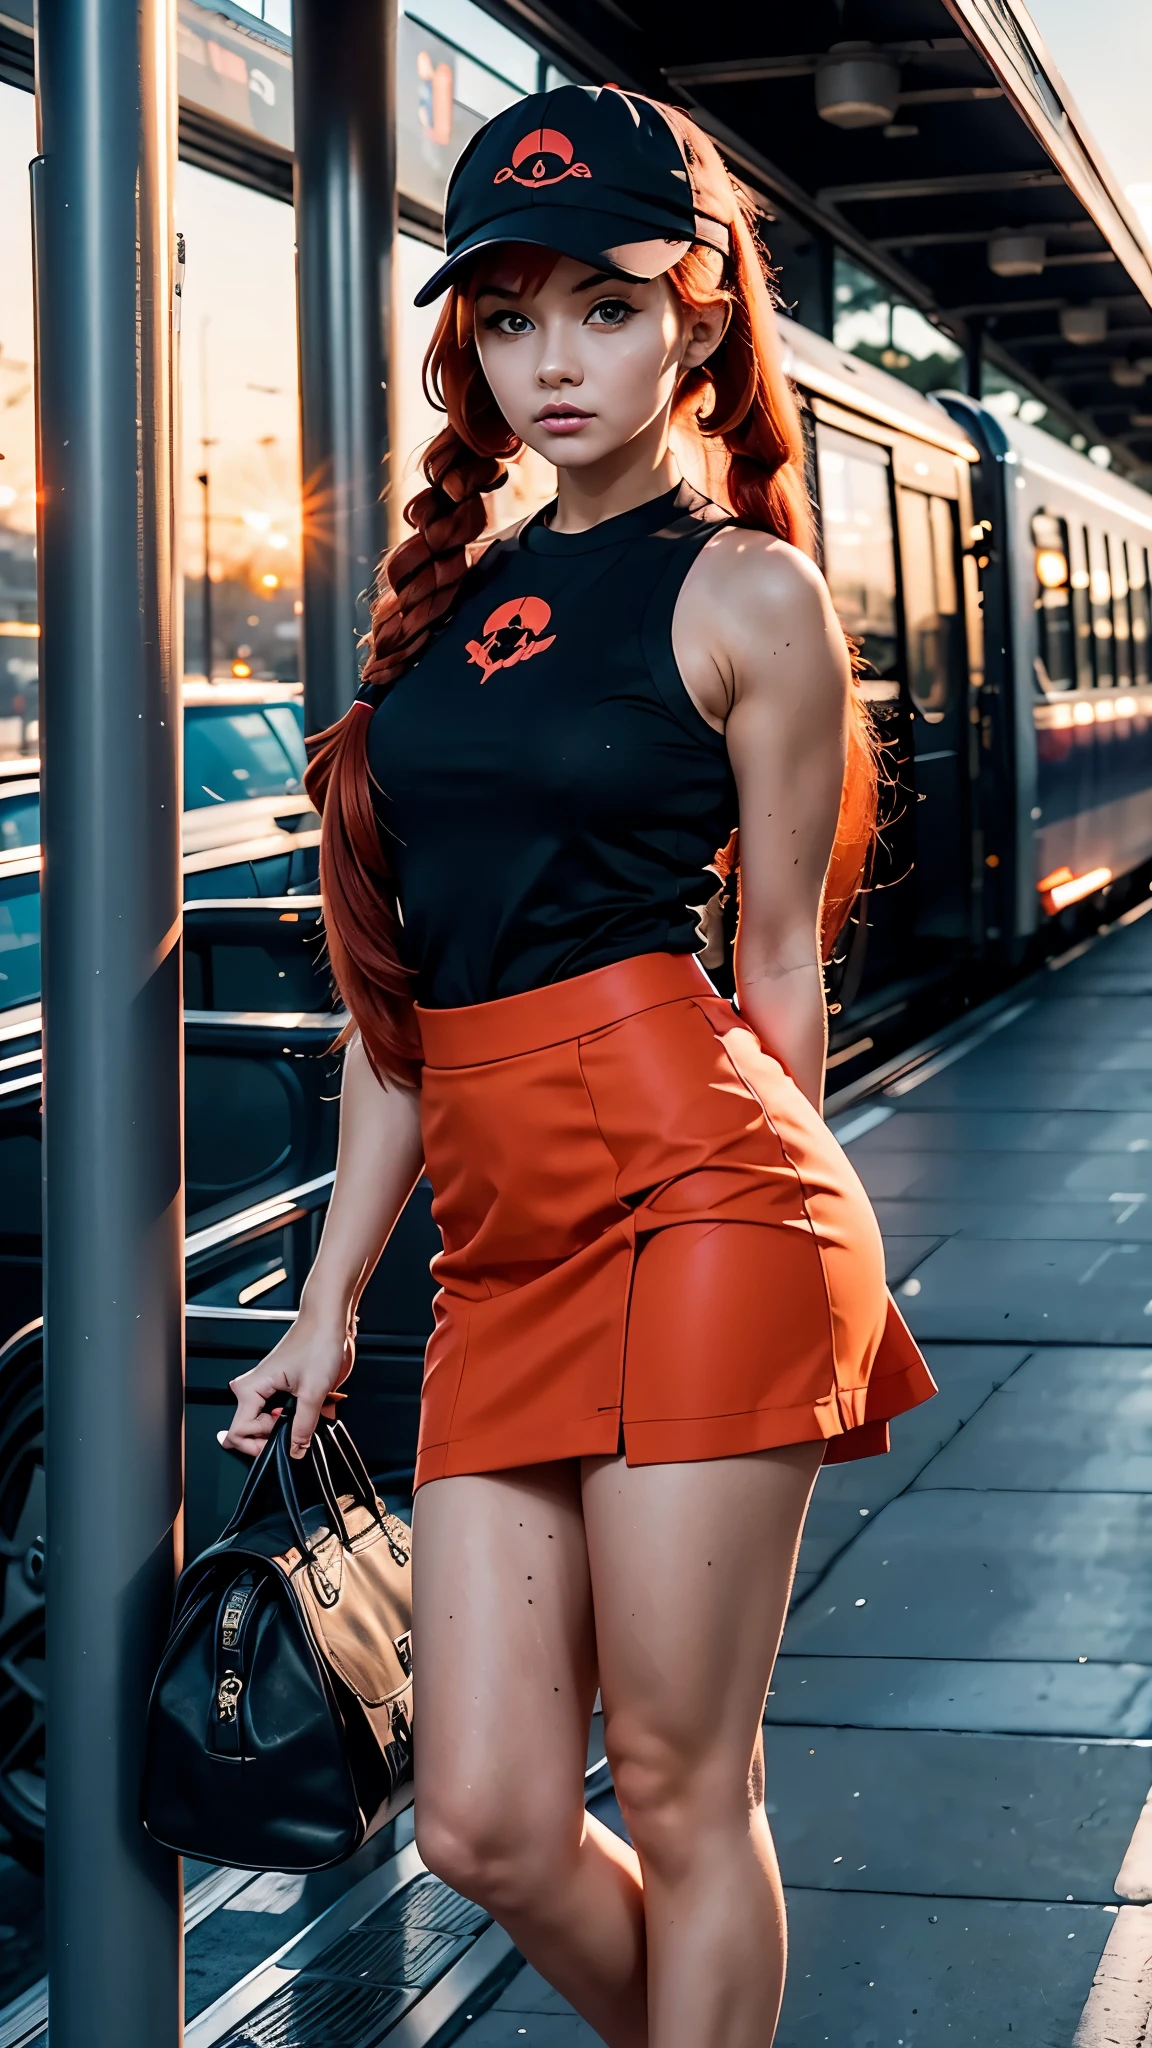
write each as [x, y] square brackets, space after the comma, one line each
[543, 157]
[513, 632]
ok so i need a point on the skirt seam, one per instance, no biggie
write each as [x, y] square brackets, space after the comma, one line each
[795, 1170]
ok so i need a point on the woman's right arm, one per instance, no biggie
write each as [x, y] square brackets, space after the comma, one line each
[378, 1163]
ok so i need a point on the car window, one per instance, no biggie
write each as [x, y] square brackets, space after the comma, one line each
[230, 754]
[19, 940]
[19, 819]
[287, 722]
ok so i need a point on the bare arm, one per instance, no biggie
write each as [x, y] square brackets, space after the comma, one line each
[378, 1163]
[762, 651]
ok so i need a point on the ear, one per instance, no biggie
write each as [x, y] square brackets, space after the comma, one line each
[705, 333]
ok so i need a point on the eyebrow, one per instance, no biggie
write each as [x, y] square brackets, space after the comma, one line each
[584, 284]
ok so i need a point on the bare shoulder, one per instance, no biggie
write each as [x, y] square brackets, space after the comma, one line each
[766, 612]
[762, 580]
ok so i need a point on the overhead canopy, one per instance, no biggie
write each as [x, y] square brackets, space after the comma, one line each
[973, 137]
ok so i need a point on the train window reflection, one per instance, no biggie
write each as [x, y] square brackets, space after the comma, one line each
[1140, 592]
[859, 549]
[1055, 655]
[1100, 597]
[1121, 622]
[931, 610]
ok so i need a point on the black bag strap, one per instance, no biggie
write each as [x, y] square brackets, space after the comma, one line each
[330, 1439]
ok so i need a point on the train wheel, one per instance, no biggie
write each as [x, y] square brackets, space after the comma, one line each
[22, 1559]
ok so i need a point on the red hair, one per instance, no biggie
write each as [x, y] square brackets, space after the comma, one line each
[741, 415]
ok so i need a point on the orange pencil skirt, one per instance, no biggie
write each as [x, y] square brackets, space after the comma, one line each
[652, 1243]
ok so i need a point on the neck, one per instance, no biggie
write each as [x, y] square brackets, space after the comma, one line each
[630, 476]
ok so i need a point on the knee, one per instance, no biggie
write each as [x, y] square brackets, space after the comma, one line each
[672, 1800]
[502, 1858]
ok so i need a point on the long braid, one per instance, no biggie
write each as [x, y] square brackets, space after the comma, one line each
[418, 586]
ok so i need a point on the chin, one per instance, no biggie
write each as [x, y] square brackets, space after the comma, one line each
[575, 452]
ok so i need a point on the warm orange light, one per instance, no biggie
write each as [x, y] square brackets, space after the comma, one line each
[240, 669]
[269, 581]
[1083, 713]
[1125, 707]
[1105, 712]
[1062, 716]
[1051, 569]
[1062, 887]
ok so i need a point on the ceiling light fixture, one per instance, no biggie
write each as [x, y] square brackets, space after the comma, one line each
[1016, 255]
[1083, 325]
[857, 86]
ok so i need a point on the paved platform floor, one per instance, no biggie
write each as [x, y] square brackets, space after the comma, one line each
[959, 1738]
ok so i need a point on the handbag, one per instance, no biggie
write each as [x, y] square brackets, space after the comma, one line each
[279, 1730]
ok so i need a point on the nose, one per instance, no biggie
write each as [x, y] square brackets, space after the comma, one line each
[558, 367]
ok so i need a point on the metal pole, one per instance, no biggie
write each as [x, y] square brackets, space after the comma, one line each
[974, 353]
[343, 63]
[113, 1162]
[206, 590]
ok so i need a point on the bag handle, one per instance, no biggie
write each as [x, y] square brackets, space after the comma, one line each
[329, 1437]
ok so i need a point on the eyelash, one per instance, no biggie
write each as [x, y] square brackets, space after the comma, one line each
[493, 324]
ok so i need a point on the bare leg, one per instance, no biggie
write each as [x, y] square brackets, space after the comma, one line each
[505, 1680]
[691, 1570]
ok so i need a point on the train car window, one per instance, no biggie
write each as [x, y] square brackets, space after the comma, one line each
[931, 599]
[859, 545]
[1121, 622]
[1082, 610]
[1140, 592]
[1055, 655]
[1100, 595]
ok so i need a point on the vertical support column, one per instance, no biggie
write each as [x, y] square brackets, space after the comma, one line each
[343, 62]
[974, 353]
[114, 1213]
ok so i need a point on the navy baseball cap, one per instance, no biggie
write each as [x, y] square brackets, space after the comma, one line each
[594, 173]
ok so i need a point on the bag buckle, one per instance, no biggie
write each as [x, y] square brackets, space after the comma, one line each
[228, 1694]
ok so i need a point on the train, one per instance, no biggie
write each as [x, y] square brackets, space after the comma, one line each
[998, 585]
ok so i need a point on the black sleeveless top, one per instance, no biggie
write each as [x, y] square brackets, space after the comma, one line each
[548, 793]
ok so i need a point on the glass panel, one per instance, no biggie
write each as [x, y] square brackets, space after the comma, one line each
[19, 729]
[868, 322]
[1100, 595]
[19, 819]
[19, 940]
[230, 755]
[1055, 651]
[287, 722]
[859, 552]
[1082, 611]
[1121, 622]
[240, 429]
[1141, 590]
[923, 627]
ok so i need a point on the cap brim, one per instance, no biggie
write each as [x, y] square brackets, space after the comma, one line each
[603, 240]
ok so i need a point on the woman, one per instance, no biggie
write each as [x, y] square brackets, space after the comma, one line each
[662, 1285]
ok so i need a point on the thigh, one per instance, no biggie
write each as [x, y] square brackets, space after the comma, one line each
[504, 1649]
[691, 1568]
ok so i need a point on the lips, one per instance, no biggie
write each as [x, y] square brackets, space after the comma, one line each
[563, 419]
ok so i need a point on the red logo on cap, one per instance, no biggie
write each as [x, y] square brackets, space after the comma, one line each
[513, 632]
[548, 156]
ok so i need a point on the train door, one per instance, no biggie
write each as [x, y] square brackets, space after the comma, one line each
[937, 677]
[859, 562]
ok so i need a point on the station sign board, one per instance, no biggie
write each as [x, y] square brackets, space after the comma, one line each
[442, 94]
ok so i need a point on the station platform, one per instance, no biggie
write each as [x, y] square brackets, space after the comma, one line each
[959, 1736]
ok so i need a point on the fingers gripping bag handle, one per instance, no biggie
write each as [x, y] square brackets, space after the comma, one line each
[279, 1728]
